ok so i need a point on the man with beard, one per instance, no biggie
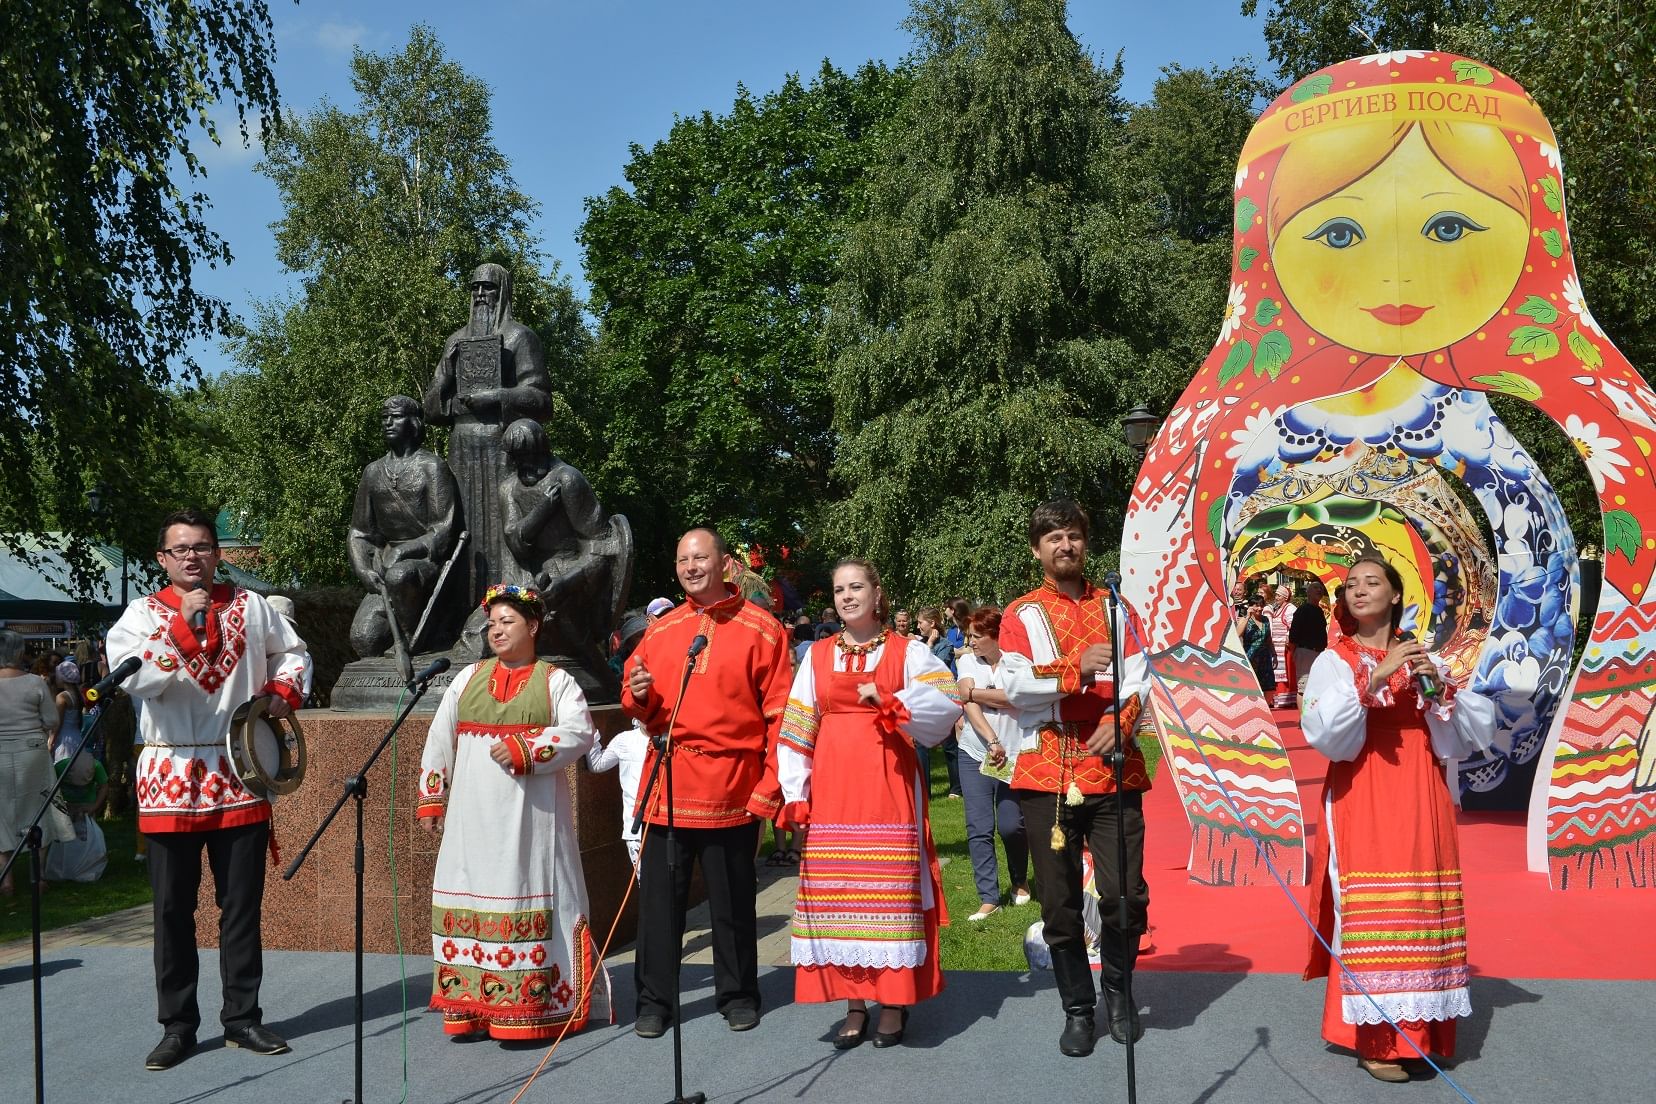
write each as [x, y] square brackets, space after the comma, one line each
[493, 372]
[1056, 650]
[403, 527]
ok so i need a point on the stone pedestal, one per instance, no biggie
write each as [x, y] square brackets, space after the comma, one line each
[316, 911]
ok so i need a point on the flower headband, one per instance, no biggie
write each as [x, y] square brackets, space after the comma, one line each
[511, 592]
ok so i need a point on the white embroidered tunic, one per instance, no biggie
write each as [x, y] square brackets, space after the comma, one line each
[190, 687]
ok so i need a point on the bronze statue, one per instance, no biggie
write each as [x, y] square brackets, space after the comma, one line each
[563, 543]
[405, 527]
[530, 518]
[492, 373]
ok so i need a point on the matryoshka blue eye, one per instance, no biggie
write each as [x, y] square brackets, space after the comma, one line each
[1338, 233]
[1451, 226]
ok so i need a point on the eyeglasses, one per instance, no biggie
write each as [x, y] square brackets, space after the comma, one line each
[184, 551]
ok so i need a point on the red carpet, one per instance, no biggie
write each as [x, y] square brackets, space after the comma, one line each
[1517, 927]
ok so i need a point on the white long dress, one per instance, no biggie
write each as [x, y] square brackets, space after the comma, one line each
[512, 949]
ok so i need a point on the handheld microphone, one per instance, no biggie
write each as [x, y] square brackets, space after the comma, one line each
[119, 675]
[1426, 684]
[436, 667]
[198, 619]
[697, 646]
[1112, 579]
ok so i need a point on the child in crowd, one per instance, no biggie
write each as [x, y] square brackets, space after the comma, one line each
[626, 752]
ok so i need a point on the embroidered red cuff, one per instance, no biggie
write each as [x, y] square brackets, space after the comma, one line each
[519, 749]
[430, 807]
[794, 815]
[1066, 671]
[286, 692]
[891, 716]
[764, 806]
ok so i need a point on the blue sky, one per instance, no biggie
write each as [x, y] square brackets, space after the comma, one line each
[576, 83]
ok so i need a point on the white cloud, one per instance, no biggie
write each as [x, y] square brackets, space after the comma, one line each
[231, 150]
[340, 38]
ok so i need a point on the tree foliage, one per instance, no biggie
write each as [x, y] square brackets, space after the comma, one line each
[101, 235]
[387, 209]
[709, 273]
[1037, 258]
[1304, 35]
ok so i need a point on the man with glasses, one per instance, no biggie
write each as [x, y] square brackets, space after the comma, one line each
[205, 650]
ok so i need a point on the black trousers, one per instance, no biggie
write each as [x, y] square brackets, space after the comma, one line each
[726, 856]
[237, 858]
[1058, 883]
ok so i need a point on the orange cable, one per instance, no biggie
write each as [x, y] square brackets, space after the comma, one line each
[672, 722]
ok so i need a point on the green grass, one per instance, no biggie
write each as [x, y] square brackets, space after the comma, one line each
[124, 883]
[995, 943]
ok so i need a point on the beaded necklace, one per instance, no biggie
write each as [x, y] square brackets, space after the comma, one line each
[856, 655]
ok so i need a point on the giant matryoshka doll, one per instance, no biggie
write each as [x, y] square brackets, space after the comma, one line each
[1401, 250]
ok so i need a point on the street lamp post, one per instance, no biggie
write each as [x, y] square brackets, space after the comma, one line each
[1139, 427]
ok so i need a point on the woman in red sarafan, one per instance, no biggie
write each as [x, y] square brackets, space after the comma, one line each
[1386, 888]
[870, 896]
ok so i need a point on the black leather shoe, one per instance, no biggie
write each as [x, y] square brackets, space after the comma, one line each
[741, 1018]
[850, 1040]
[256, 1037]
[650, 1026]
[1121, 1016]
[1077, 1039]
[171, 1050]
[883, 1039]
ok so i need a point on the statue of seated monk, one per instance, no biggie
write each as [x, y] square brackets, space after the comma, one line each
[563, 543]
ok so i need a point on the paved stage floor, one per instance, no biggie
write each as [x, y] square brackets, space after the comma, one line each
[1210, 1038]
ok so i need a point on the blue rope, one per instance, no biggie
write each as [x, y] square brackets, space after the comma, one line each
[1282, 883]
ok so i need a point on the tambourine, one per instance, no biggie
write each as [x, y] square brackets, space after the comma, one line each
[267, 753]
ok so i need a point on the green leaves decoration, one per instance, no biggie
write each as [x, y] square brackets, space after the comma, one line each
[1267, 310]
[1471, 71]
[1540, 310]
[1316, 86]
[1216, 520]
[1511, 383]
[1248, 256]
[1241, 353]
[1274, 351]
[1584, 350]
[1622, 534]
[1552, 242]
[1246, 209]
[1533, 341]
[1552, 194]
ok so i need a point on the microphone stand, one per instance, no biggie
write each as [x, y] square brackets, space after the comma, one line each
[664, 753]
[356, 787]
[1118, 761]
[31, 840]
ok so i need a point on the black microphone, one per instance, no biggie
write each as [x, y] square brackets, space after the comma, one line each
[1426, 684]
[436, 667]
[1112, 580]
[198, 619]
[119, 675]
[697, 646]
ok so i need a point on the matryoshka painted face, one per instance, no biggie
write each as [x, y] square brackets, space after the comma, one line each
[1406, 259]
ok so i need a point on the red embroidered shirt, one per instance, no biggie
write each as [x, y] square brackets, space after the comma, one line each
[1042, 637]
[724, 771]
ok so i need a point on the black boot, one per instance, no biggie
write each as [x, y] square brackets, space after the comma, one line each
[1121, 1016]
[1075, 988]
